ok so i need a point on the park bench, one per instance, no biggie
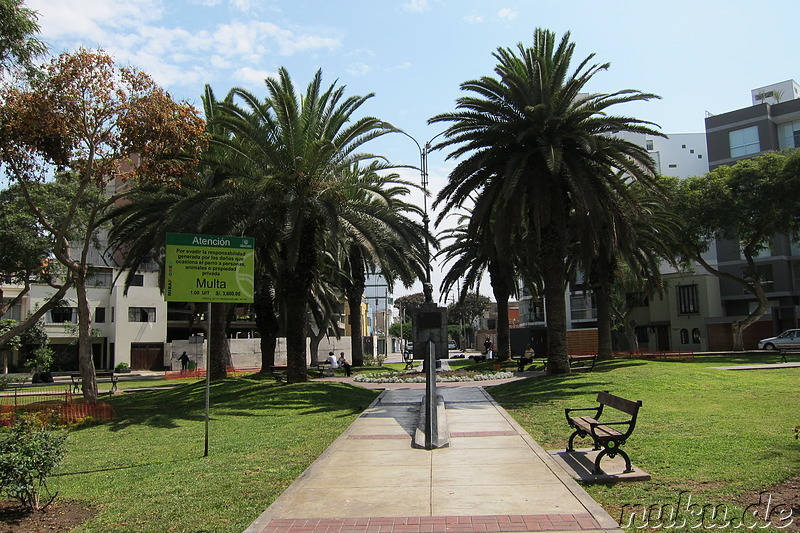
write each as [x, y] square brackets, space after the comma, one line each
[577, 361]
[785, 349]
[582, 361]
[102, 376]
[321, 369]
[604, 434]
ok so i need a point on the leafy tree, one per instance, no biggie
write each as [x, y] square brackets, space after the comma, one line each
[409, 304]
[104, 125]
[472, 251]
[750, 202]
[544, 149]
[401, 330]
[19, 45]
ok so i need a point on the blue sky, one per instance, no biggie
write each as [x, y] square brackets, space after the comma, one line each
[698, 56]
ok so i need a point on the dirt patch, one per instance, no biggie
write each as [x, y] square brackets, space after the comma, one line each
[779, 503]
[60, 516]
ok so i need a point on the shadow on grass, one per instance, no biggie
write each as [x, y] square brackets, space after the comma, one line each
[250, 396]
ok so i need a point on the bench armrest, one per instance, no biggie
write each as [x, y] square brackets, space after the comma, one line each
[569, 410]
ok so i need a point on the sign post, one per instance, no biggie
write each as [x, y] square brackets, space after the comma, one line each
[210, 269]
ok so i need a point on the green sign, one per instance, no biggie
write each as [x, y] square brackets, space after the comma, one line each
[209, 268]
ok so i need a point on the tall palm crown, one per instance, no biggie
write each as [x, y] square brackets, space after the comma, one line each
[546, 155]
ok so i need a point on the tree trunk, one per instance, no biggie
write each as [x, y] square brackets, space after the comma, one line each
[554, 276]
[354, 292]
[501, 295]
[297, 284]
[266, 322]
[85, 359]
[296, 311]
[220, 356]
[630, 334]
[603, 298]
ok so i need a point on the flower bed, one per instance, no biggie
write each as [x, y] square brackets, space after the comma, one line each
[419, 377]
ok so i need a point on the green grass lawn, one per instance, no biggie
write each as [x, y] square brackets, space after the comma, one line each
[721, 435]
[145, 471]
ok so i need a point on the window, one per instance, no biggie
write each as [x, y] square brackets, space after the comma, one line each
[696, 336]
[688, 302]
[99, 278]
[789, 135]
[763, 274]
[684, 336]
[582, 306]
[15, 313]
[61, 315]
[649, 145]
[673, 165]
[744, 142]
[141, 314]
[100, 315]
[137, 280]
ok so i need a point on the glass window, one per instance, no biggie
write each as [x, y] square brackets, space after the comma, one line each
[60, 315]
[764, 274]
[789, 135]
[100, 315]
[137, 280]
[688, 301]
[649, 144]
[99, 278]
[15, 313]
[582, 306]
[141, 314]
[744, 142]
[696, 336]
[684, 336]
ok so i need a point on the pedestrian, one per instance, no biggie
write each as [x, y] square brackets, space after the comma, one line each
[487, 345]
[344, 364]
[184, 359]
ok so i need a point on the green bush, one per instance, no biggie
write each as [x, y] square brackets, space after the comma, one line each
[28, 453]
[121, 367]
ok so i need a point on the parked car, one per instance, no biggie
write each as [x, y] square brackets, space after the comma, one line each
[451, 345]
[788, 339]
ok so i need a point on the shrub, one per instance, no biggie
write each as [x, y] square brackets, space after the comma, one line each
[121, 367]
[28, 453]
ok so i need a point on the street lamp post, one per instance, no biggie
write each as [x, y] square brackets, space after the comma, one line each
[424, 150]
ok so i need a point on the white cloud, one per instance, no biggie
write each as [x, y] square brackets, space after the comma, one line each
[417, 6]
[474, 19]
[507, 13]
[253, 76]
[401, 66]
[358, 69]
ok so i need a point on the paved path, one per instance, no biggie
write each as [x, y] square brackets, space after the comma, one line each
[493, 477]
[773, 366]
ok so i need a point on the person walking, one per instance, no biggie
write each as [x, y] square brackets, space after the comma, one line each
[184, 359]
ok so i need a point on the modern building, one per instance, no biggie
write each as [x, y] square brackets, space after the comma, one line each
[771, 123]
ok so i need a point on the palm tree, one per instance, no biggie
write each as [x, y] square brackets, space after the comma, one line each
[545, 150]
[294, 150]
[472, 251]
[384, 241]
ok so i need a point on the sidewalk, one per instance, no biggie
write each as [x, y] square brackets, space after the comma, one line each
[493, 477]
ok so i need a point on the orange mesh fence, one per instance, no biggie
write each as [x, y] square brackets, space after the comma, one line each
[201, 373]
[65, 412]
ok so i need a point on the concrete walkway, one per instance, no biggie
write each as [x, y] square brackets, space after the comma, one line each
[493, 477]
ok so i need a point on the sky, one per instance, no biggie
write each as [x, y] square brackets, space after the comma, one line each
[700, 57]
